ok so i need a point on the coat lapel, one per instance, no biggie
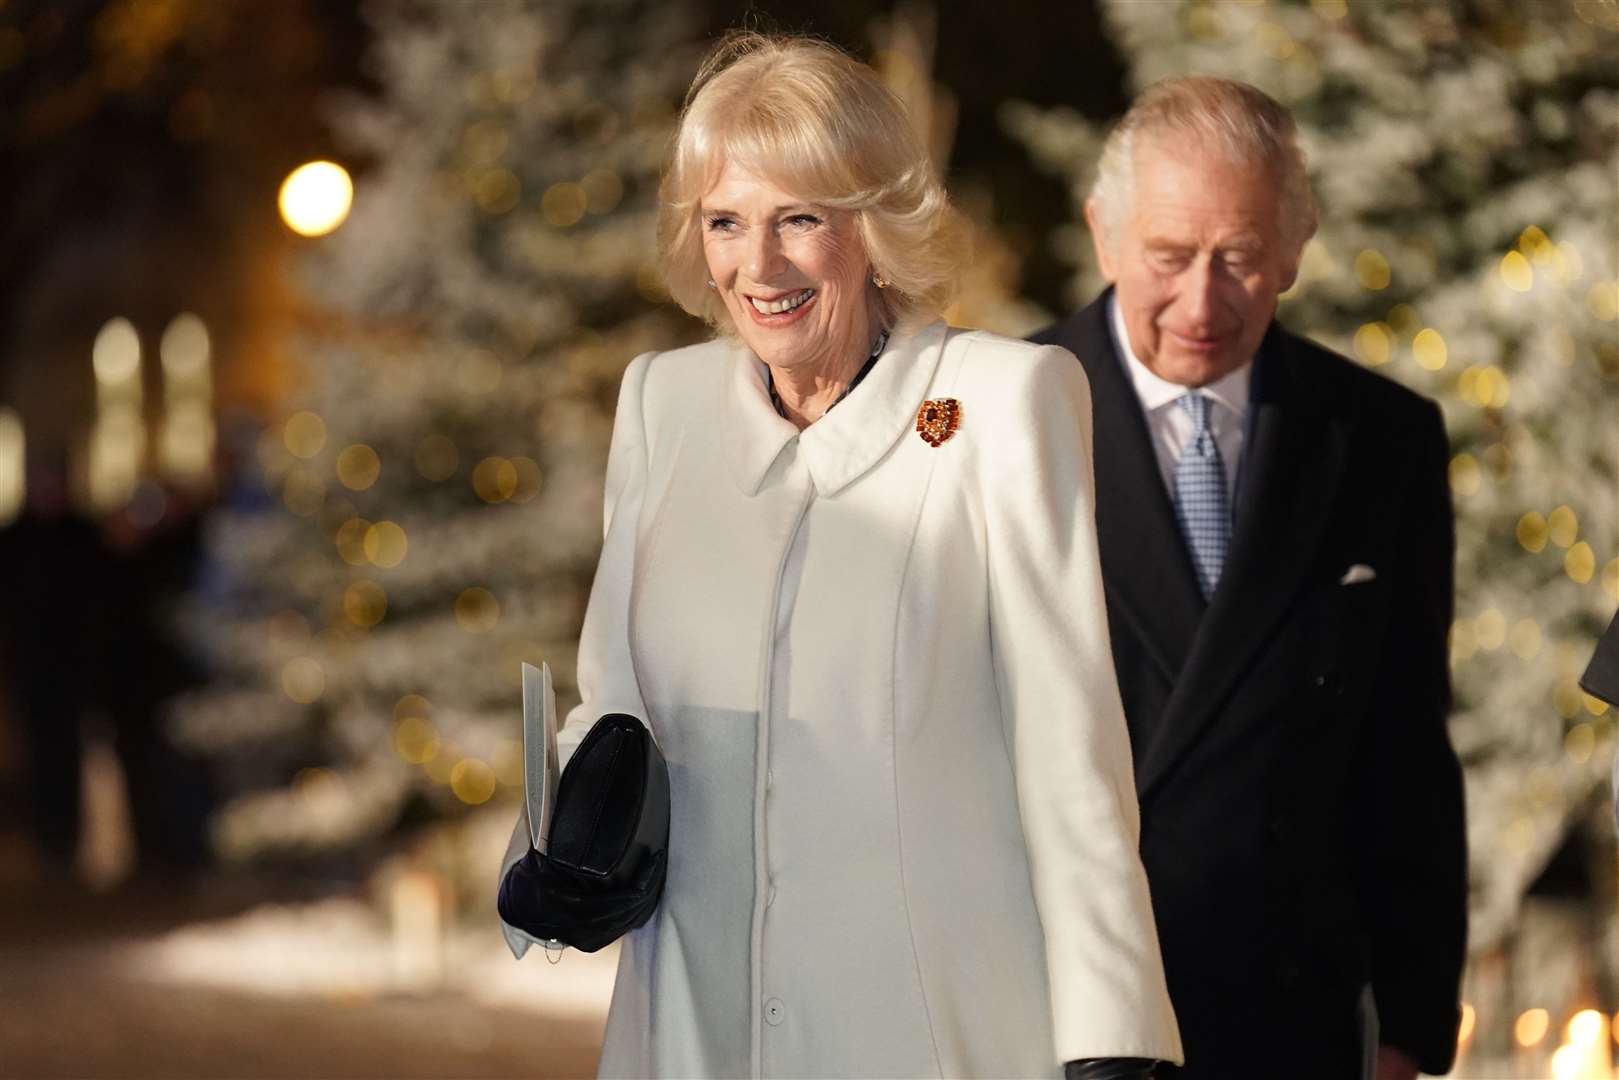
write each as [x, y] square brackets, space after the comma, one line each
[1148, 574]
[1292, 465]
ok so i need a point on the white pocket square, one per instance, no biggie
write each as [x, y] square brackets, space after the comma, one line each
[1358, 573]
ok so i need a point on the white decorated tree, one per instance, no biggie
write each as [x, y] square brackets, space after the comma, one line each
[1466, 159]
[429, 504]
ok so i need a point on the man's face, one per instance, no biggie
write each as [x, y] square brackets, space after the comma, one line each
[1197, 261]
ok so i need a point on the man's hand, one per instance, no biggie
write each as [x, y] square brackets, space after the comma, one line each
[1394, 1064]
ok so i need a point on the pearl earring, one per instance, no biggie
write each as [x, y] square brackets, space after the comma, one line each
[711, 284]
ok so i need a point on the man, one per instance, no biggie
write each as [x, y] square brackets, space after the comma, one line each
[1277, 547]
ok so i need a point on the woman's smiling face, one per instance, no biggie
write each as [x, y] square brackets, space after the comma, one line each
[793, 275]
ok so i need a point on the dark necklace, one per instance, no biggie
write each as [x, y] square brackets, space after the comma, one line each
[871, 362]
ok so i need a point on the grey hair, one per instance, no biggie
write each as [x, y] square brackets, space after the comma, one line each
[1237, 120]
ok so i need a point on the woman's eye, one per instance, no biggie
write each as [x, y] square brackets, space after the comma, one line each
[804, 221]
[720, 223]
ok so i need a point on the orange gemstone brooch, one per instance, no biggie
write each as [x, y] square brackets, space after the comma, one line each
[937, 420]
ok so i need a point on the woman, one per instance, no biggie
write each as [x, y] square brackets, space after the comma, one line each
[850, 581]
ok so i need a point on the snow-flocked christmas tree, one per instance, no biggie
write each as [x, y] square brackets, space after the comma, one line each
[434, 490]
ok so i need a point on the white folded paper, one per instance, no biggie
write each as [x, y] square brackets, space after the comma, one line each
[539, 752]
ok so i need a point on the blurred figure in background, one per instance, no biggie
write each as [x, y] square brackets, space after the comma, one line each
[85, 635]
[51, 567]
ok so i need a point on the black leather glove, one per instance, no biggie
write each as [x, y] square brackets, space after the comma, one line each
[549, 902]
[1110, 1069]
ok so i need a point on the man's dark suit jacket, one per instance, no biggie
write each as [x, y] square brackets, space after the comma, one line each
[1301, 804]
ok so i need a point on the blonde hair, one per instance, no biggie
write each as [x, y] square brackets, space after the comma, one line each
[810, 119]
[1242, 122]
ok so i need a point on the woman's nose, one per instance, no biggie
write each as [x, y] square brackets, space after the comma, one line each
[764, 258]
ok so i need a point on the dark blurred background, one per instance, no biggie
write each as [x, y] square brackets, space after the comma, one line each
[311, 321]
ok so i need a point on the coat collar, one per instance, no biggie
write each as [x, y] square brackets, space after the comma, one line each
[1148, 575]
[846, 442]
[1293, 460]
[1293, 465]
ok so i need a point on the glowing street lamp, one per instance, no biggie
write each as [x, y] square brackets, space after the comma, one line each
[315, 198]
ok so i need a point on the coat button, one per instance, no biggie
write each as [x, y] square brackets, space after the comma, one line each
[775, 1012]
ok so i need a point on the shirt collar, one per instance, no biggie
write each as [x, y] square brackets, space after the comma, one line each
[1229, 390]
[847, 440]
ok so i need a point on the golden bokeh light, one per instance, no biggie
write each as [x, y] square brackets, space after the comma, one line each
[351, 541]
[1566, 698]
[1491, 626]
[473, 781]
[1579, 743]
[1580, 563]
[358, 467]
[496, 191]
[1469, 1018]
[1610, 579]
[1525, 639]
[1595, 705]
[184, 351]
[1586, 1027]
[385, 544]
[1463, 639]
[1563, 526]
[476, 610]
[1404, 320]
[412, 705]
[529, 479]
[13, 464]
[1276, 41]
[1531, 1027]
[304, 434]
[494, 479]
[1372, 270]
[116, 357]
[185, 448]
[1374, 345]
[1429, 349]
[508, 763]
[365, 603]
[315, 198]
[1516, 272]
[563, 204]
[1464, 474]
[415, 739]
[437, 458]
[303, 679]
[1602, 300]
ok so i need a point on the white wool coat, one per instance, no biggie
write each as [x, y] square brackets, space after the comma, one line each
[904, 827]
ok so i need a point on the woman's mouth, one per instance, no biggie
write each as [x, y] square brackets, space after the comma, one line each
[784, 305]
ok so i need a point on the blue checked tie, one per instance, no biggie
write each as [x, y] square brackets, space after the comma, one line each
[1200, 496]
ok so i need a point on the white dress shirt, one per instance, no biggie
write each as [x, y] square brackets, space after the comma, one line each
[1170, 425]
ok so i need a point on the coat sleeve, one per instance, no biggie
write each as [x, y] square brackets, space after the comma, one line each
[1066, 730]
[1413, 874]
[606, 677]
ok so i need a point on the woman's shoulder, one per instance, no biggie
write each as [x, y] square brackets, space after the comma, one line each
[675, 377]
[1010, 370]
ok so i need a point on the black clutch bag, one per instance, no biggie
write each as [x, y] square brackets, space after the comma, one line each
[607, 856]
